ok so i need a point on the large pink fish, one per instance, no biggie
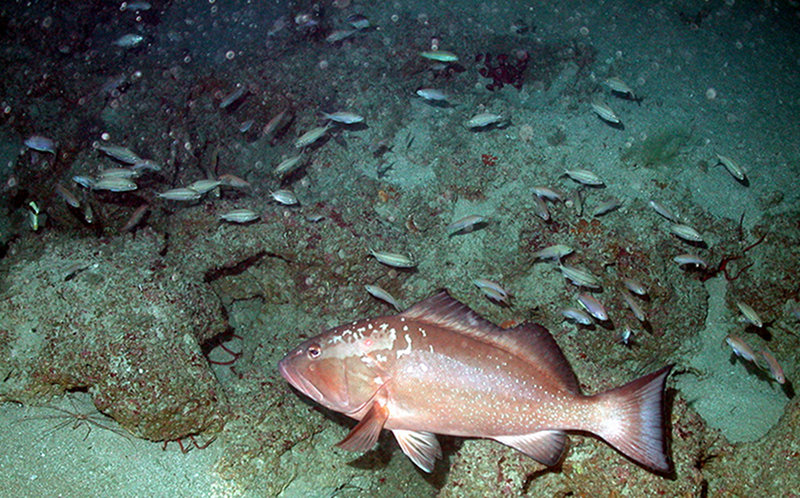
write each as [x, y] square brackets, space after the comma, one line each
[439, 368]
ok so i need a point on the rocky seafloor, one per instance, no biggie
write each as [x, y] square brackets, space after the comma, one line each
[170, 327]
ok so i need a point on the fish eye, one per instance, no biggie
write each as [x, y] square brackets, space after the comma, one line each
[314, 351]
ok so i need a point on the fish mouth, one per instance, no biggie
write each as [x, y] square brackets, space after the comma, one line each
[299, 382]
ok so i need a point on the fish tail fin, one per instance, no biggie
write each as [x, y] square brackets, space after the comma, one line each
[632, 420]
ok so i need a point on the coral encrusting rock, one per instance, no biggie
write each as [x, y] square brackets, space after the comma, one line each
[128, 330]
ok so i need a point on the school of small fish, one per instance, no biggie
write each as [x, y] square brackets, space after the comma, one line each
[440, 314]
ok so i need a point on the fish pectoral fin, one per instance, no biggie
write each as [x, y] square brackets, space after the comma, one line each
[421, 447]
[546, 447]
[365, 434]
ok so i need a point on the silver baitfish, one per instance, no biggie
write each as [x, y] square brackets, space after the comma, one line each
[393, 259]
[241, 215]
[40, 144]
[466, 224]
[284, 196]
[180, 194]
[382, 294]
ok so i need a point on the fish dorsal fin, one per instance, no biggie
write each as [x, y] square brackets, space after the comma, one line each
[535, 343]
[444, 311]
[529, 341]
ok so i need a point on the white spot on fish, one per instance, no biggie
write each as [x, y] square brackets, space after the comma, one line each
[407, 349]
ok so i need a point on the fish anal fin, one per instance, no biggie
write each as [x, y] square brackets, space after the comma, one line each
[546, 447]
[365, 434]
[421, 447]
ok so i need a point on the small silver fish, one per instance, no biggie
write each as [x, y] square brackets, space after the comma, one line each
[122, 154]
[465, 224]
[204, 186]
[277, 123]
[233, 181]
[637, 310]
[432, 94]
[83, 181]
[626, 337]
[585, 177]
[548, 193]
[311, 136]
[180, 194]
[67, 195]
[135, 6]
[740, 348]
[491, 289]
[146, 165]
[663, 211]
[241, 216]
[440, 55]
[288, 165]
[483, 120]
[118, 173]
[685, 232]
[540, 208]
[233, 96]
[690, 259]
[733, 168]
[580, 276]
[358, 21]
[88, 213]
[774, 367]
[592, 306]
[556, 252]
[340, 34]
[245, 126]
[618, 86]
[128, 41]
[343, 117]
[114, 184]
[605, 112]
[40, 144]
[607, 206]
[393, 259]
[382, 294]
[284, 196]
[136, 217]
[576, 316]
[635, 286]
[749, 315]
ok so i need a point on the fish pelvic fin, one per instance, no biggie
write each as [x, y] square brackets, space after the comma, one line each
[545, 447]
[365, 434]
[632, 420]
[421, 447]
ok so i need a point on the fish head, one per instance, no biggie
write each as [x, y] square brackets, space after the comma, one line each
[341, 369]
